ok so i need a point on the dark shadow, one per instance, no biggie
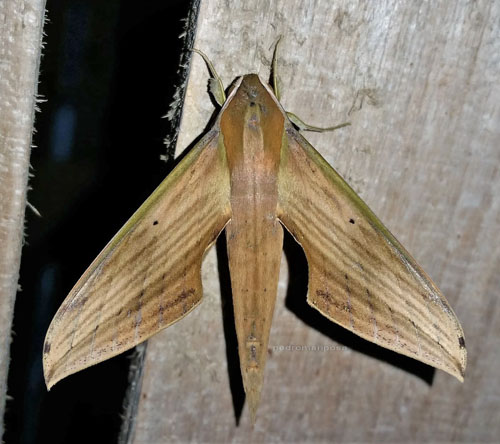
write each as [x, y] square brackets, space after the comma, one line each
[296, 302]
[233, 360]
[109, 72]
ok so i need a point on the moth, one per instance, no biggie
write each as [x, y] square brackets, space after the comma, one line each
[252, 174]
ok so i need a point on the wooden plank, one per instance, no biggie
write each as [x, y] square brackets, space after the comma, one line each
[21, 24]
[419, 82]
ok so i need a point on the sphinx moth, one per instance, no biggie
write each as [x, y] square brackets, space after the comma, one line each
[252, 174]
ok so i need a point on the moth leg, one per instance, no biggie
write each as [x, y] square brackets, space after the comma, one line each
[299, 123]
[275, 82]
[302, 126]
[215, 83]
[274, 71]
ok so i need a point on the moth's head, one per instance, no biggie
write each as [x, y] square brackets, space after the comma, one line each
[250, 91]
[252, 121]
[250, 82]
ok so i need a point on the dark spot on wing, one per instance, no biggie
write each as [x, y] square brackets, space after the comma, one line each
[186, 293]
[352, 221]
[324, 294]
[46, 347]
[180, 298]
[155, 222]
[461, 342]
[328, 298]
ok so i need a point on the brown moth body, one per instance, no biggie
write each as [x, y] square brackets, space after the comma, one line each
[254, 234]
[252, 173]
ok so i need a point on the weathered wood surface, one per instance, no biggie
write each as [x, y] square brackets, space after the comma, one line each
[21, 24]
[419, 82]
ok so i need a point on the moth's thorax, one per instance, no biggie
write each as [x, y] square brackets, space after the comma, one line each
[252, 127]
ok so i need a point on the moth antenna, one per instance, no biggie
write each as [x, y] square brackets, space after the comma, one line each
[215, 84]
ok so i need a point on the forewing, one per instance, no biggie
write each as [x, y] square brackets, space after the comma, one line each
[148, 276]
[360, 276]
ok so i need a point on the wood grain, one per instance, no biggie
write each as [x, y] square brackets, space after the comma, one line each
[21, 28]
[420, 82]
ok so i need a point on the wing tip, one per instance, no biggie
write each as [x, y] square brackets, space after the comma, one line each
[455, 364]
[458, 373]
[458, 370]
[48, 375]
[463, 359]
[49, 383]
[46, 366]
[53, 372]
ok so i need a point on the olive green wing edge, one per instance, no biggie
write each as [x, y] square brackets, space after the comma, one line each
[77, 337]
[338, 185]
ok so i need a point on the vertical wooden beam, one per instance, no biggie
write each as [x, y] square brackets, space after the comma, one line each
[21, 25]
[419, 83]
